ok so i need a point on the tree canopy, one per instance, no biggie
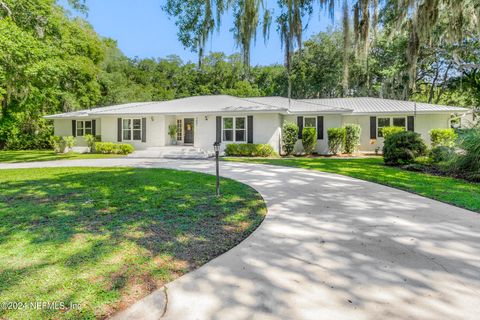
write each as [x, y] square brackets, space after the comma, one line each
[52, 62]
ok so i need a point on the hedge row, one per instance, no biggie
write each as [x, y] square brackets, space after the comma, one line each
[113, 148]
[249, 150]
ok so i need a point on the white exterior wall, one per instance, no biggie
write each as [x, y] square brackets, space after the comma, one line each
[329, 121]
[155, 131]
[266, 130]
[423, 124]
[63, 127]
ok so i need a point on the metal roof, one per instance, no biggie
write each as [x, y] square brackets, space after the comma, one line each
[229, 104]
[378, 105]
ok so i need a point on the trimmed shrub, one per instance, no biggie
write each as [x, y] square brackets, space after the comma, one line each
[58, 144]
[443, 137]
[113, 148]
[90, 140]
[336, 139]
[387, 131]
[352, 138]
[309, 140]
[441, 154]
[249, 150]
[403, 147]
[289, 137]
[62, 144]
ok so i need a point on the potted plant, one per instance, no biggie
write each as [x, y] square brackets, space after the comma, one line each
[172, 132]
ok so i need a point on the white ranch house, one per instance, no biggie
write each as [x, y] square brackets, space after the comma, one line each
[202, 120]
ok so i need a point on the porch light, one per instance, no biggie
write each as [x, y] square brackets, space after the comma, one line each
[216, 147]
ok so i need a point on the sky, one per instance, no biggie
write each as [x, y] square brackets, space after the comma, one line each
[143, 30]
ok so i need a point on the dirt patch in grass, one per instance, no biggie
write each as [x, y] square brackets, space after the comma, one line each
[104, 238]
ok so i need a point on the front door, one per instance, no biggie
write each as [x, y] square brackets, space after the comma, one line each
[188, 129]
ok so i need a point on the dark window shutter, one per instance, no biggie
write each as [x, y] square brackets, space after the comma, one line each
[219, 129]
[94, 128]
[74, 128]
[144, 129]
[411, 123]
[250, 129]
[300, 126]
[320, 128]
[119, 129]
[373, 127]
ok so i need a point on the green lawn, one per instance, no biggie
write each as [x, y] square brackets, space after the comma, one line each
[454, 191]
[46, 155]
[104, 238]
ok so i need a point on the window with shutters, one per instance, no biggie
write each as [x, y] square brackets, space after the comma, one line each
[390, 121]
[84, 127]
[234, 129]
[132, 129]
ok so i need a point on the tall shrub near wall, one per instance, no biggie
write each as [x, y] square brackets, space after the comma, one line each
[352, 138]
[336, 139]
[289, 137]
[309, 140]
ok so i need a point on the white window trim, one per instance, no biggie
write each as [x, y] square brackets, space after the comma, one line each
[310, 117]
[180, 132]
[391, 123]
[83, 128]
[234, 136]
[131, 129]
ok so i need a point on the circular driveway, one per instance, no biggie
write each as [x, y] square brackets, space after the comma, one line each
[330, 247]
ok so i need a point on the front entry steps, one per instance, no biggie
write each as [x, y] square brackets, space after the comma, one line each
[173, 152]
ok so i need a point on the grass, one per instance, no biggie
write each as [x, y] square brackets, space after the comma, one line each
[450, 190]
[104, 238]
[46, 155]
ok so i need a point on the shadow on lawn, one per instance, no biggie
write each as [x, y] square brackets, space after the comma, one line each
[169, 222]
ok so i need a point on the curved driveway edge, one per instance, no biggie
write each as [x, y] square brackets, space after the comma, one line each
[330, 247]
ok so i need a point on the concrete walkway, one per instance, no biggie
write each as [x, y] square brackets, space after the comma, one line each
[331, 247]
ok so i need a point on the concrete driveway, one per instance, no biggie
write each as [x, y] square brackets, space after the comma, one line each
[331, 247]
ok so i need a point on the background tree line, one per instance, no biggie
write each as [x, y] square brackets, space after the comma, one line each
[52, 62]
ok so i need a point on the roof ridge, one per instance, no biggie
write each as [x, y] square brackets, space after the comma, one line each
[123, 106]
[265, 104]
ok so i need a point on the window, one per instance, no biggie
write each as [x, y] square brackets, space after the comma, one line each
[234, 129]
[387, 122]
[400, 122]
[84, 127]
[179, 129]
[310, 122]
[227, 129]
[240, 129]
[132, 129]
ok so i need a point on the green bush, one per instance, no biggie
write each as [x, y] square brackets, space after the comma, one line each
[113, 148]
[90, 140]
[60, 144]
[467, 162]
[387, 131]
[249, 150]
[352, 138]
[443, 137]
[336, 139]
[403, 147]
[57, 144]
[441, 154]
[309, 140]
[289, 137]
